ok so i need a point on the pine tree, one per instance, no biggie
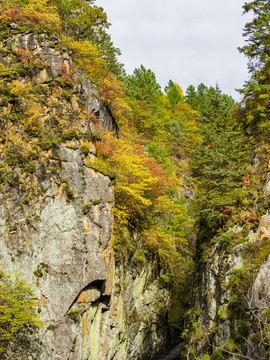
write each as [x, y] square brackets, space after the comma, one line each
[256, 102]
[142, 85]
[219, 160]
[174, 93]
[257, 30]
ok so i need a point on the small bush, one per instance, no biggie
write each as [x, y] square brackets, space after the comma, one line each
[66, 94]
[85, 148]
[74, 314]
[17, 307]
[69, 193]
[86, 208]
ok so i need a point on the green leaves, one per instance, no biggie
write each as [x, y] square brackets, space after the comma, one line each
[17, 306]
[256, 102]
[174, 93]
[142, 85]
[257, 31]
[220, 159]
[81, 19]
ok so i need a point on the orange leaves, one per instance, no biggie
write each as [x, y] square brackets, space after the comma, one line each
[29, 57]
[167, 245]
[106, 92]
[107, 147]
[250, 217]
[112, 93]
[141, 198]
[247, 182]
[67, 72]
[158, 172]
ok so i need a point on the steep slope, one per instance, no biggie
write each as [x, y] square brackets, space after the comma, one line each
[231, 317]
[57, 214]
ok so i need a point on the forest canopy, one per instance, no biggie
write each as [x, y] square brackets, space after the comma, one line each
[180, 163]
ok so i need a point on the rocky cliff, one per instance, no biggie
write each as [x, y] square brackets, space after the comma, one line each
[231, 314]
[56, 208]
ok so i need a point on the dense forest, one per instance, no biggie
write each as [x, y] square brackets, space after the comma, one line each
[186, 168]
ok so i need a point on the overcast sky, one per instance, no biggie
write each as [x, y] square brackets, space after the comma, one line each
[187, 41]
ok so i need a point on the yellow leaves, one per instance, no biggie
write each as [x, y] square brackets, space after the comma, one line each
[121, 214]
[37, 12]
[88, 58]
[168, 205]
[32, 120]
[179, 89]
[187, 119]
[136, 192]
[167, 245]
[263, 96]
[18, 306]
[21, 91]
[5, 70]
[140, 198]
[40, 12]
[134, 180]
[32, 111]
[17, 87]
[112, 93]
[4, 18]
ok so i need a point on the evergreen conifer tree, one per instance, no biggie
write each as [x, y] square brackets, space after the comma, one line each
[219, 160]
[256, 102]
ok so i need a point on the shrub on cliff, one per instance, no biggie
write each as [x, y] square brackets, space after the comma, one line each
[17, 307]
[36, 12]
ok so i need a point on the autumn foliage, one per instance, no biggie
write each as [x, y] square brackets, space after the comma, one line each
[39, 12]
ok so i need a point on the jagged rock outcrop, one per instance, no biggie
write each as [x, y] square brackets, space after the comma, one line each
[56, 225]
[231, 317]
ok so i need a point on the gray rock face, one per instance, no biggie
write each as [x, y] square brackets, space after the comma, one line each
[133, 325]
[63, 251]
[45, 47]
[216, 326]
[59, 236]
[259, 296]
[91, 309]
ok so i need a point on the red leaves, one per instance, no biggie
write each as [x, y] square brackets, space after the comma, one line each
[225, 213]
[13, 14]
[35, 19]
[247, 182]
[106, 93]
[250, 217]
[29, 57]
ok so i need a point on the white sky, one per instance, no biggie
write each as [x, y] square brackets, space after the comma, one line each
[187, 41]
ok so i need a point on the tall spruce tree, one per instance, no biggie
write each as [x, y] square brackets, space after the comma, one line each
[256, 102]
[142, 85]
[174, 93]
[219, 160]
